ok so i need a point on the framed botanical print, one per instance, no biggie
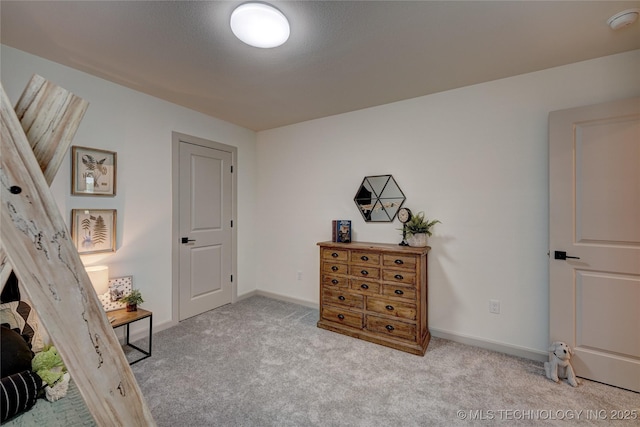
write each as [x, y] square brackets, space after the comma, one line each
[93, 230]
[93, 172]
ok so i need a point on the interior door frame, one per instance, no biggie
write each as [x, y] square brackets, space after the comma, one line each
[176, 139]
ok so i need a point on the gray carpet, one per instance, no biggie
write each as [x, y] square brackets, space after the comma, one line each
[263, 362]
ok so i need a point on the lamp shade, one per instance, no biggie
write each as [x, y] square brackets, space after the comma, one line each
[99, 275]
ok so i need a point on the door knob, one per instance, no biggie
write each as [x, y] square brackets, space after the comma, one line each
[563, 255]
[186, 240]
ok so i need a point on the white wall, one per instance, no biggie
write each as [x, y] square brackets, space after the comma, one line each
[475, 158]
[138, 127]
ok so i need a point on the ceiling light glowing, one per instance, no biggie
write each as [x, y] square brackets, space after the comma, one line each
[260, 25]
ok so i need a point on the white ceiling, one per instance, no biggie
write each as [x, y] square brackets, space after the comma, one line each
[342, 55]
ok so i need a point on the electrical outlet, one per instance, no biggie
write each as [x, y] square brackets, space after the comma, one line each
[494, 306]
[299, 275]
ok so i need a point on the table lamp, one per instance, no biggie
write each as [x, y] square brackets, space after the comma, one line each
[99, 275]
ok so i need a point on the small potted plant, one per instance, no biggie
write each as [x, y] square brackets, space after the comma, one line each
[132, 300]
[418, 228]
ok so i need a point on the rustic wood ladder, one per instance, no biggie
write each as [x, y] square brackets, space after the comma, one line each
[36, 244]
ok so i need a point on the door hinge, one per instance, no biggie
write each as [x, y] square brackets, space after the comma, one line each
[231, 223]
[231, 168]
[232, 278]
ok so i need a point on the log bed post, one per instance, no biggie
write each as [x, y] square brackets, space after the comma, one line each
[39, 248]
[50, 116]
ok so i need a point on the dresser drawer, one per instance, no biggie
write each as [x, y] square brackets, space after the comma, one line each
[392, 308]
[399, 261]
[335, 254]
[399, 291]
[340, 297]
[391, 327]
[399, 276]
[365, 258]
[365, 272]
[346, 317]
[363, 285]
[335, 268]
[337, 281]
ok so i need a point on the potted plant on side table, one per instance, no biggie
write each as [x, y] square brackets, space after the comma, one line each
[132, 300]
[418, 228]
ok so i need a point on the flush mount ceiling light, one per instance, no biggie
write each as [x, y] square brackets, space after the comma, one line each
[260, 25]
[624, 18]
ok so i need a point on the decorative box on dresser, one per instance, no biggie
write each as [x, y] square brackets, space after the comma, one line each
[376, 292]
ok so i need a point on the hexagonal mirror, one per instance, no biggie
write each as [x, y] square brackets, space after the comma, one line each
[379, 198]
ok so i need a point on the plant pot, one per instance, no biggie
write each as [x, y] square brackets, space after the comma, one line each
[132, 307]
[418, 240]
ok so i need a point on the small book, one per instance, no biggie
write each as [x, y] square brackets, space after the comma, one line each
[341, 230]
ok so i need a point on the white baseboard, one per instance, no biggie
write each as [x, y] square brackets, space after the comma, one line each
[247, 295]
[272, 295]
[513, 350]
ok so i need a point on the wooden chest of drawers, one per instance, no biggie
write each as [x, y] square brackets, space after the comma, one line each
[376, 292]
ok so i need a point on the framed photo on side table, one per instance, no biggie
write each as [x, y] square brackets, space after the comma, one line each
[93, 230]
[93, 172]
[118, 287]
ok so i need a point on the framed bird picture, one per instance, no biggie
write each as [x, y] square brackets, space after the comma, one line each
[93, 172]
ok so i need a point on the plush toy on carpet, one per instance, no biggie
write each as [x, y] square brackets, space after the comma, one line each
[49, 366]
[558, 367]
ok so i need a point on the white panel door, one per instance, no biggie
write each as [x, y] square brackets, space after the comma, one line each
[594, 176]
[205, 229]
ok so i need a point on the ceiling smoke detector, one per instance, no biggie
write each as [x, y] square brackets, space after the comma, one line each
[624, 18]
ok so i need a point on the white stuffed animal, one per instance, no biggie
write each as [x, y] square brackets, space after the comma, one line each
[558, 366]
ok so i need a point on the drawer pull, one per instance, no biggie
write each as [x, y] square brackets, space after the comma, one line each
[335, 282]
[364, 258]
[334, 268]
[389, 307]
[364, 286]
[341, 316]
[389, 328]
[398, 292]
[364, 272]
[341, 298]
[398, 276]
[335, 255]
[399, 262]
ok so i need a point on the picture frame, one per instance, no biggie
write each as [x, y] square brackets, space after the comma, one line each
[93, 172]
[118, 287]
[94, 230]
